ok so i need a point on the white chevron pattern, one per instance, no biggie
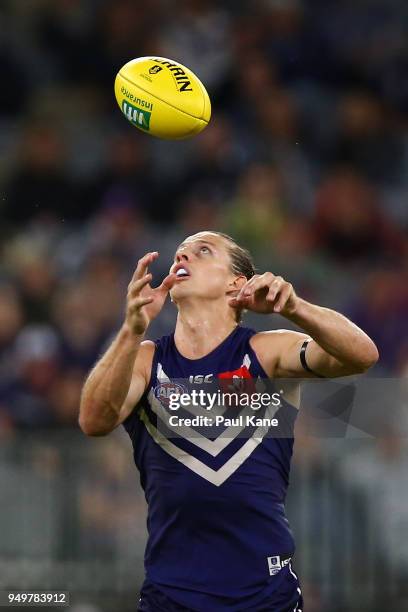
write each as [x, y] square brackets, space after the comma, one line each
[212, 447]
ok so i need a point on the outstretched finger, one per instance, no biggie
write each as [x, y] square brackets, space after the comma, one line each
[138, 302]
[246, 289]
[136, 286]
[240, 302]
[274, 290]
[234, 302]
[142, 265]
[254, 284]
[167, 284]
[283, 298]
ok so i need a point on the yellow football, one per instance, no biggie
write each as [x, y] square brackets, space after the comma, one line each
[162, 97]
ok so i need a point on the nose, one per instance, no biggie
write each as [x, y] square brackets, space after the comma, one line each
[181, 256]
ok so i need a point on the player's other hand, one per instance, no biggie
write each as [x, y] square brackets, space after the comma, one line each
[143, 301]
[266, 293]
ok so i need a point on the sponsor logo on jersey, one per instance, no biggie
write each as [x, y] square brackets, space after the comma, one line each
[275, 564]
[137, 116]
[201, 378]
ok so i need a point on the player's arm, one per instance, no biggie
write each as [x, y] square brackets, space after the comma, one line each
[338, 347]
[331, 346]
[116, 384]
[119, 379]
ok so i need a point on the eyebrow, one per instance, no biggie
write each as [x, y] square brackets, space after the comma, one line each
[199, 240]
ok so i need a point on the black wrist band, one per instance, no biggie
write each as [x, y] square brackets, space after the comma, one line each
[303, 359]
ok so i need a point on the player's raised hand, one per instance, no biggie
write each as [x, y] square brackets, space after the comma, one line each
[143, 301]
[266, 293]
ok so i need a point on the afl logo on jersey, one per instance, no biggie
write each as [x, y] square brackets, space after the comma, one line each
[164, 390]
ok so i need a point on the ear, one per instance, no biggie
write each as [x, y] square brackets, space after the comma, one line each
[236, 285]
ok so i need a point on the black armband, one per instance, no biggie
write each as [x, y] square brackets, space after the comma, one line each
[303, 359]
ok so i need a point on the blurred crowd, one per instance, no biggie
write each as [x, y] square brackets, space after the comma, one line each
[305, 162]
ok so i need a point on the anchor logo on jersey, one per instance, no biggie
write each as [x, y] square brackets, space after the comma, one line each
[237, 380]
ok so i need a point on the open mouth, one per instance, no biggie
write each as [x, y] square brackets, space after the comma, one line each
[182, 273]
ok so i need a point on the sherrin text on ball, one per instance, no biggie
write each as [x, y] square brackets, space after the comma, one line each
[162, 97]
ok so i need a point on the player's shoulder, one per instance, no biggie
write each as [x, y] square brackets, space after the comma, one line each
[144, 358]
[276, 337]
[147, 346]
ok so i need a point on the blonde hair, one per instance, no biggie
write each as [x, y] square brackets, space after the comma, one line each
[241, 263]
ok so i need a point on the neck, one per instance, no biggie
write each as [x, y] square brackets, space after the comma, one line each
[200, 330]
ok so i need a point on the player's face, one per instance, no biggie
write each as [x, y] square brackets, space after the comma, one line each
[203, 265]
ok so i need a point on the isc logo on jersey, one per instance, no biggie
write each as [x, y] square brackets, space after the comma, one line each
[200, 378]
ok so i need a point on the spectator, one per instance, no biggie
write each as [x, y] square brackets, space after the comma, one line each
[258, 214]
[40, 186]
[36, 362]
[349, 225]
[367, 140]
[126, 178]
[381, 309]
